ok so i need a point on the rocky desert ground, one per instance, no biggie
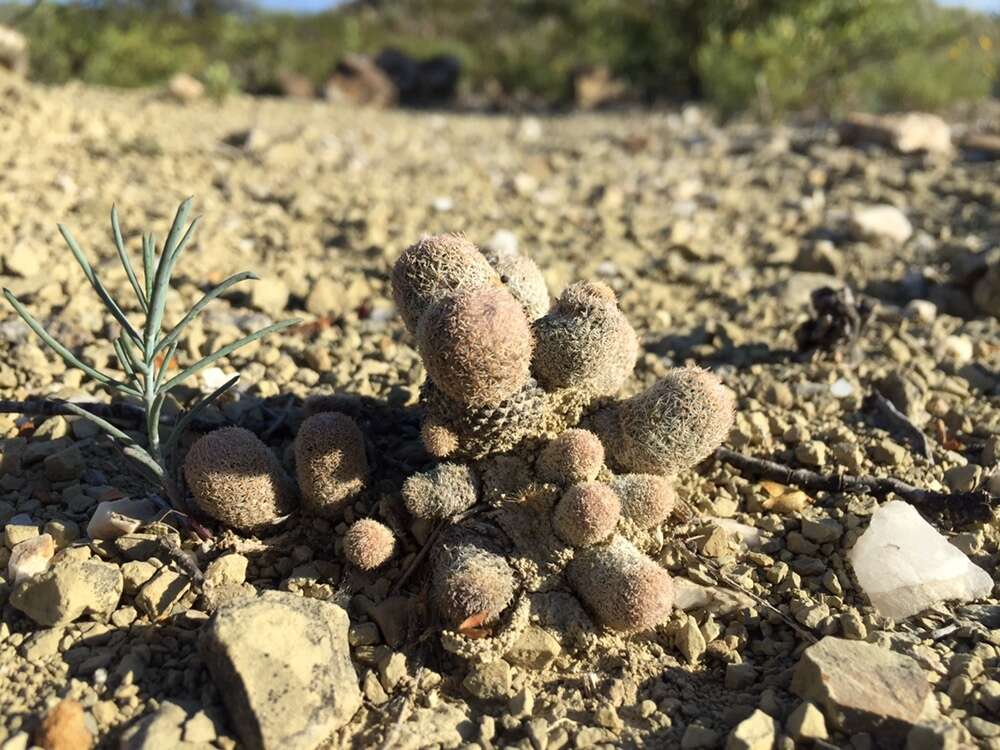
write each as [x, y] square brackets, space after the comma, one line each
[713, 238]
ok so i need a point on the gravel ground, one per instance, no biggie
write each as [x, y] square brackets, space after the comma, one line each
[713, 238]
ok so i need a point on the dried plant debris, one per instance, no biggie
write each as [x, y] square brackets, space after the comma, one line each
[475, 499]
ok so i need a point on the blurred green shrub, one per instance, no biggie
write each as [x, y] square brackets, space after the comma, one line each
[772, 56]
[832, 55]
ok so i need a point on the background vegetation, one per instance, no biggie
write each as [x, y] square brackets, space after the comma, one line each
[771, 56]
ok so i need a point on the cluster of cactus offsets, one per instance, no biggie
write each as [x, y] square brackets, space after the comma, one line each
[520, 400]
[238, 480]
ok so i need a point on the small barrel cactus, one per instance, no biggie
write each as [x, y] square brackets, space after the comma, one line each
[586, 514]
[442, 492]
[585, 342]
[671, 426]
[237, 480]
[434, 268]
[521, 276]
[470, 581]
[647, 499]
[574, 456]
[476, 346]
[369, 544]
[330, 462]
[623, 588]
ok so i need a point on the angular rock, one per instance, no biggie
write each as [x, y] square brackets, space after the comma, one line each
[30, 557]
[227, 569]
[19, 529]
[64, 466]
[161, 729]
[162, 592]
[282, 664]
[863, 687]
[806, 723]
[69, 589]
[535, 648]
[756, 732]
[489, 681]
[115, 518]
[904, 565]
[881, 221]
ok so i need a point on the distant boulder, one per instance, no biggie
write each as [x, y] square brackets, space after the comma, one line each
[185, 88]
[906, 133]
[13, 51]
[421, 83]
[359, 81]
[596, 87]
[295, 86]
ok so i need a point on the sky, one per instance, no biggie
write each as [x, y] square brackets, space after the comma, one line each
[311, 6]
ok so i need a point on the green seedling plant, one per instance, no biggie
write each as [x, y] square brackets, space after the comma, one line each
[145, 353]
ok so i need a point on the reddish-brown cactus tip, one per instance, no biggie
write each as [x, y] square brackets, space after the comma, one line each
[237, 480]
[368, 544]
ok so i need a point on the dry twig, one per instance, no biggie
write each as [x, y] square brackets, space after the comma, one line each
[960, 507]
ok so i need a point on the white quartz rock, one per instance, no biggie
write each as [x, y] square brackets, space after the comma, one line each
[904, 565]
[115, 518]
[30, 557]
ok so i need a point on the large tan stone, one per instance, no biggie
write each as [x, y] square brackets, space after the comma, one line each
[282, 665]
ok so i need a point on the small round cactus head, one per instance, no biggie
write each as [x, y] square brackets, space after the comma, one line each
[585, 342]
[476, 346]
[574, 456]
[521, 276]
[368, 544]
[587, 294]
[586, 514]
[623, 588]
[442, 492]
[330, 462]
[433, 268]
[439, 440]
[237, 480]
[671, 426]
[471, 581]
[647, 499]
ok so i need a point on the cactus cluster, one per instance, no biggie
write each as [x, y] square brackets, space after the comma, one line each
[520, 401]
[237, 480]
[519, 408]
